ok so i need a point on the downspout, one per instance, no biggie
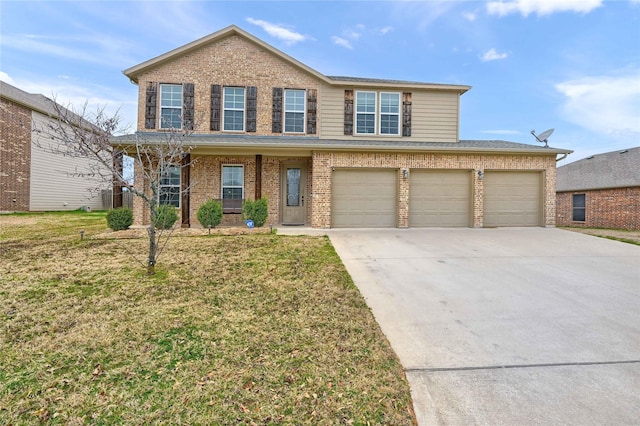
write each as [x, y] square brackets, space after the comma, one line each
[562, 158]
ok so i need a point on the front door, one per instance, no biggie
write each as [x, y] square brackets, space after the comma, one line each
[293, 182]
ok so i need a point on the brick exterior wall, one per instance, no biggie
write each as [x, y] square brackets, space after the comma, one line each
[324, 162]
[15, 156]
[617, 208]
[232, 61]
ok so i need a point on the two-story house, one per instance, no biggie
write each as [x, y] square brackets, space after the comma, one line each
[330, 151]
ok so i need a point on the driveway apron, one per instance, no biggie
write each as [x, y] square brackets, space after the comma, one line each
[506, 326]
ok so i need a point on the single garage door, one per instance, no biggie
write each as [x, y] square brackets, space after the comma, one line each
[440, 198]
[512, 198]
[364, 198]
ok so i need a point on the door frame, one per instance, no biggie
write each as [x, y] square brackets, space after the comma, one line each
[304, 175]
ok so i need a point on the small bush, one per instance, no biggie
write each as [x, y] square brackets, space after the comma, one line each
[257, 211]
[120, 218]
[166, 216]
[210, 214]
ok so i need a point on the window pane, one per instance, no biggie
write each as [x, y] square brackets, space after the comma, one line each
[294, 122]
[294, 100]
[234, 97]
[234, 120]
[389, 124]
[232, 194]
[389, 103]
[366, 123]
[169, 192]
[171, 95]
[579, 214]
[366, 102]
[293, 187]
[579, 200]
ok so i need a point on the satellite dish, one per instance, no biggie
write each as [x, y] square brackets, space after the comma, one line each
[542, 137]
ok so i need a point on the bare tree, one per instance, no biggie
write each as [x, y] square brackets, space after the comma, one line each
[80, 134]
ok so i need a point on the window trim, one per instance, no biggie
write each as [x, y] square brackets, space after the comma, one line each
[161, 107]
[304, 111]
[179, 186]
[223, 186]
[225, 109]
[574, 208]
[397, 115]
[375, 113]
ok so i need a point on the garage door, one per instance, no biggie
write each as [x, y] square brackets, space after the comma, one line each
[364, 198]
[440, 198]
[512, 198]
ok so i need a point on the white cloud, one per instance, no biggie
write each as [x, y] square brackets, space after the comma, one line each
[278, 31]
[469, 16]
[608, 105]
[541, 7]
[341, 42]
[493, 55]
[6, 78]
[386, 30]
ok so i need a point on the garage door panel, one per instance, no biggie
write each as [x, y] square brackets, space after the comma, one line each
[364, 198]
[439, 198]
[512, 198]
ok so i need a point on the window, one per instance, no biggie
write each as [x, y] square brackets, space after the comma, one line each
[233, 112]
[170, 106]
[366, 113]
[170, 186]
[579, 207]
[232, 188]
[389, 113]
[294, 111]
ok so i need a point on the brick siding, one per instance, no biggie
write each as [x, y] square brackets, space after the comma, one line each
[15, 156]
[617, 208]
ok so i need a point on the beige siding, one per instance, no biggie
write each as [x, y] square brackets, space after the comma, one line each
[434, 115]
[52, 187]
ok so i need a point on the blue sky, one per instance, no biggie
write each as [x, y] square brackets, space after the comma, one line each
[572, 65]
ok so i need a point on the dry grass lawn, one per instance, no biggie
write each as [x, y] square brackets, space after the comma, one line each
[240, 329]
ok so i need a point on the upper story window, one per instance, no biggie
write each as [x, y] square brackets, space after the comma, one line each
[170, 106]
[233, 111]
[170, 186]
[365, 113]
[294, 108]
[389, 113]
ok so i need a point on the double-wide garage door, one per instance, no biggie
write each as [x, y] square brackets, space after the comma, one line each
[364, 198]
[512, 198]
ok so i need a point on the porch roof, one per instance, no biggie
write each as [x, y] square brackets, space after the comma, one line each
[214, 142]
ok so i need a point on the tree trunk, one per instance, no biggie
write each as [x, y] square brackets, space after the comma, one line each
[153, 248]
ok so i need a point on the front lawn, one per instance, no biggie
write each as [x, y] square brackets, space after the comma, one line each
[244, 329]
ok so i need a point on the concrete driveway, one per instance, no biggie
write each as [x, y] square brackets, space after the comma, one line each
[524, 326]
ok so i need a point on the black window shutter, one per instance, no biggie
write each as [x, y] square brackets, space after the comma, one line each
[348, 112]
[216, 97]
[252, 108]
[406, 114]
[187, 106]
[312, 100]
[150, 109]
[276, 115]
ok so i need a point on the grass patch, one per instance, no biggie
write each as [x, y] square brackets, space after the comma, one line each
[622, 235]
[249, 329]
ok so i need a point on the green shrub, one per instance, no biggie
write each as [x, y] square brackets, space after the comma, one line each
[120, 218]
[210, 214]
[257, 211]
[166, 216]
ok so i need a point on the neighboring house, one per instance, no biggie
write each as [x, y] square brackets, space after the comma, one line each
[330, 151]
[600, 191]
[33, 178]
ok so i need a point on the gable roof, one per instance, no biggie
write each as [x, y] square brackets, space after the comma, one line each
[42, 104]
[34, 102]
[615, 169]
[134, 72]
